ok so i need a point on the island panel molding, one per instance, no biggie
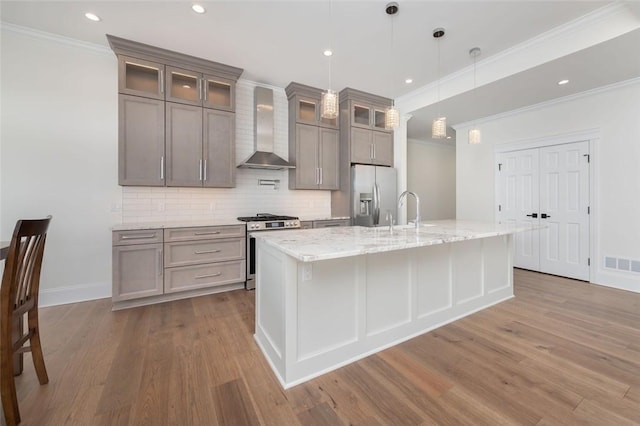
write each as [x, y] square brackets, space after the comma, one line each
[327, 297]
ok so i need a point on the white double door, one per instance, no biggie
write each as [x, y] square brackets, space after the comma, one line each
[548, 186]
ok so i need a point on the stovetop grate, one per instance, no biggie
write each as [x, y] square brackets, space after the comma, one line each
[265, 217]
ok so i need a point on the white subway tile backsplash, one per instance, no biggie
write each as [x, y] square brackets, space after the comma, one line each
[148, 204]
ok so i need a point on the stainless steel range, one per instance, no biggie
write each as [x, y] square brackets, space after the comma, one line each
[263, 222]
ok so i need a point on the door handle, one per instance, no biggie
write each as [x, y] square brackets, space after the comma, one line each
[534, 215]
[544, 216]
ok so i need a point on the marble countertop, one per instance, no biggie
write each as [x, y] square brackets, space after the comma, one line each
[309, 245]
[175, 224]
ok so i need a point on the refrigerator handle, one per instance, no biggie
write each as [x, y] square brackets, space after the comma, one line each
[376, 204]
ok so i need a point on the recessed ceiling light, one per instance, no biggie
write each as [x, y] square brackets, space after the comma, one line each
[328, 52]
[409, 80]
[561, 82]
[92, 17]
[186, 86]
[198, 8]
[448, 137]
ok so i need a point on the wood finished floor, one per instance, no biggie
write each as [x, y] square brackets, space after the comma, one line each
[561, 352]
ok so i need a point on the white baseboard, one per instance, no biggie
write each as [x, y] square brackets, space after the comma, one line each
[73, 294]
[620, 281]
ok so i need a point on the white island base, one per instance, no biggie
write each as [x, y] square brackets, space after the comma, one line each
[315, 316]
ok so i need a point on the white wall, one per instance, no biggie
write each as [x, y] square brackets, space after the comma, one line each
[59, 156]
[431, 173]
[615, 115]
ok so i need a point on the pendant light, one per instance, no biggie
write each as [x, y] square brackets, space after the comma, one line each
[392, 115]
[475, 136]
[439, 127]
[329, 103]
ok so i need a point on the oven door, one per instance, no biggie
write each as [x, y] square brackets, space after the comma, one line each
[251, 263]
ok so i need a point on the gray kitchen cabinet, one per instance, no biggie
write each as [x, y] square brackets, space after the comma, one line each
[382, 148]
[369, 141]
[199, 146]
[218, 149]
[200, 89]
[139, 77]
[189, 89]
[314, 144]
[137, 264]
[141, 141]
[184, 145]
[316, 154]
[156, 265]
[371, 147]
[204, 257]
[331, 223]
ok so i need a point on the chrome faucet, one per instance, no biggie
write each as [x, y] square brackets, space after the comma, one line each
[404, 194]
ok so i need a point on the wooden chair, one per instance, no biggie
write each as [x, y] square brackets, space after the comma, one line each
[19, 296]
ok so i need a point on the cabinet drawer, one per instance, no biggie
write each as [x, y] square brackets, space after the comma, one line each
[138, 236]
[201, 276]
[203, 233]
[197, 252]
[331, 223]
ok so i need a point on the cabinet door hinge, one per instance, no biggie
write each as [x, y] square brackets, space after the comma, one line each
[588, 157]
[589, 261]
[499, 207]
[588, 209]
[499, 167]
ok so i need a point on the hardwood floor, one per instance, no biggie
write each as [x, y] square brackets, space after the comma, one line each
[561, 352]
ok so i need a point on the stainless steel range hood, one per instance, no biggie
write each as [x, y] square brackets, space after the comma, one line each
[263, 157]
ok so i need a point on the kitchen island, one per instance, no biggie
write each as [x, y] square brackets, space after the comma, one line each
[328, 297]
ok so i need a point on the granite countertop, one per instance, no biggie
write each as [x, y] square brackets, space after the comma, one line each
[309, 245]
[175, 224]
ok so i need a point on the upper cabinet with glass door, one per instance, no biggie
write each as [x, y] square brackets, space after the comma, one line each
[306, 103]
[194, 88]
[140, 77]
[366, 110]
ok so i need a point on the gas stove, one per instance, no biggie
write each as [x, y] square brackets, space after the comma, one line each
[268, 221]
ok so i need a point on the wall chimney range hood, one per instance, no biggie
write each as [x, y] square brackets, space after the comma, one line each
[263, 156]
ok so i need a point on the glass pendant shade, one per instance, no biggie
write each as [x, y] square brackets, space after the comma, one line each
[392, 118]
[474, 136]
[329, 104]
[439, 128]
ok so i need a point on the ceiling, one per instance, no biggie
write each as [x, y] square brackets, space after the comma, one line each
[277, 42]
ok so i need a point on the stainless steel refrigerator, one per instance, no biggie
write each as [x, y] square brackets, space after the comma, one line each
[373, 195]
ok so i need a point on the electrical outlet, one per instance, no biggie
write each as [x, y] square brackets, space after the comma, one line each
[307, 272]
[160, 207]
[116, 207]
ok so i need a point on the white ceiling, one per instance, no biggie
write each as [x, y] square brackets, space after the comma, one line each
[277, 42]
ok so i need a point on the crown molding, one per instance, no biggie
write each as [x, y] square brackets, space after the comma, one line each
[584, 22]
[43, 35]
[439, 145]
[545, 104]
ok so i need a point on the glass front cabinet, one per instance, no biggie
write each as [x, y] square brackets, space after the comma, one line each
[193, 88]
[139, 77]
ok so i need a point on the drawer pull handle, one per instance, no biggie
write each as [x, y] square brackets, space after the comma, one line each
[217, 274]
[207, 251]
[207, 233]
[137, 237]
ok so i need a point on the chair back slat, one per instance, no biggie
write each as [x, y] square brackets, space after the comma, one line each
[21, 278]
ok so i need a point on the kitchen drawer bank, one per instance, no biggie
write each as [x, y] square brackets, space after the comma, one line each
[155, 263]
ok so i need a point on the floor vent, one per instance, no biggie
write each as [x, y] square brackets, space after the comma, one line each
[622, 264]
